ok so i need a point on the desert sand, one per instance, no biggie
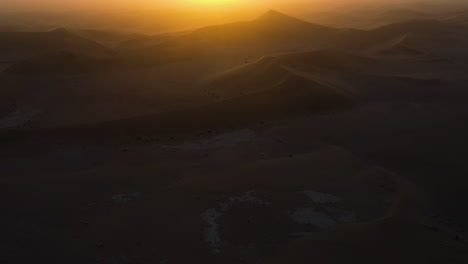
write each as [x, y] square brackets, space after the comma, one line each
[274, 140]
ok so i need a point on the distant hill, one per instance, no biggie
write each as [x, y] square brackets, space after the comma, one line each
[427, 36]
[295, 95]
[22, 45]
[253, 77]
[421, 26]
[273, 31]
[402, 14]
[393, 73]
[262, 91]
[435, 37]
[329, 60]
[107, 37]
[62, 63]
[142, 42]
[269, 29]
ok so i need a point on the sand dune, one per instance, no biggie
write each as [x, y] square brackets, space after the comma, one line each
[273, 71]
[329, 59]
[292, 96]
[247, 204]
[431, 36]
[434, 37]
[22, 45]
[275, 32]
[64, 63]
[143, 42]
[401, 50]
[460, 19]
[264, 141]
[413, 27]
[107, 37]
[253, 77]
[279, 85]
[395, 60]
[345, 72]
[272, 28]
[272, 31]
[403, 14]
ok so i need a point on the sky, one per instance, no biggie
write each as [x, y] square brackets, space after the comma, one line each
[111, 4]
[155, 16]
[126, 4]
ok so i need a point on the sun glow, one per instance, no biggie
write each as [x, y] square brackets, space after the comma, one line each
[215, 3]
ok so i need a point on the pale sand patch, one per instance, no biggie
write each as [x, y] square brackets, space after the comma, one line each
[322, 219]
[210, 216]
[320, 216]
[211, 232]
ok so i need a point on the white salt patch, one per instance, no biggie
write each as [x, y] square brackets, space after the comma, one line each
[311, 216]
[17, 118]
[322, 198]
[324, 218]
[211, 233]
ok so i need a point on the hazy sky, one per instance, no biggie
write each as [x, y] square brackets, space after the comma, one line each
[46, 4]
[116, 4]
[171, 15]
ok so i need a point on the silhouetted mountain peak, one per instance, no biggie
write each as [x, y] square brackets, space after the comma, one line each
[61, 31]
[273, 15]
[277, 19]
[273, 12]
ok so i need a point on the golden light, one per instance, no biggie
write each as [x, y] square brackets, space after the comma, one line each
[215, 3]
